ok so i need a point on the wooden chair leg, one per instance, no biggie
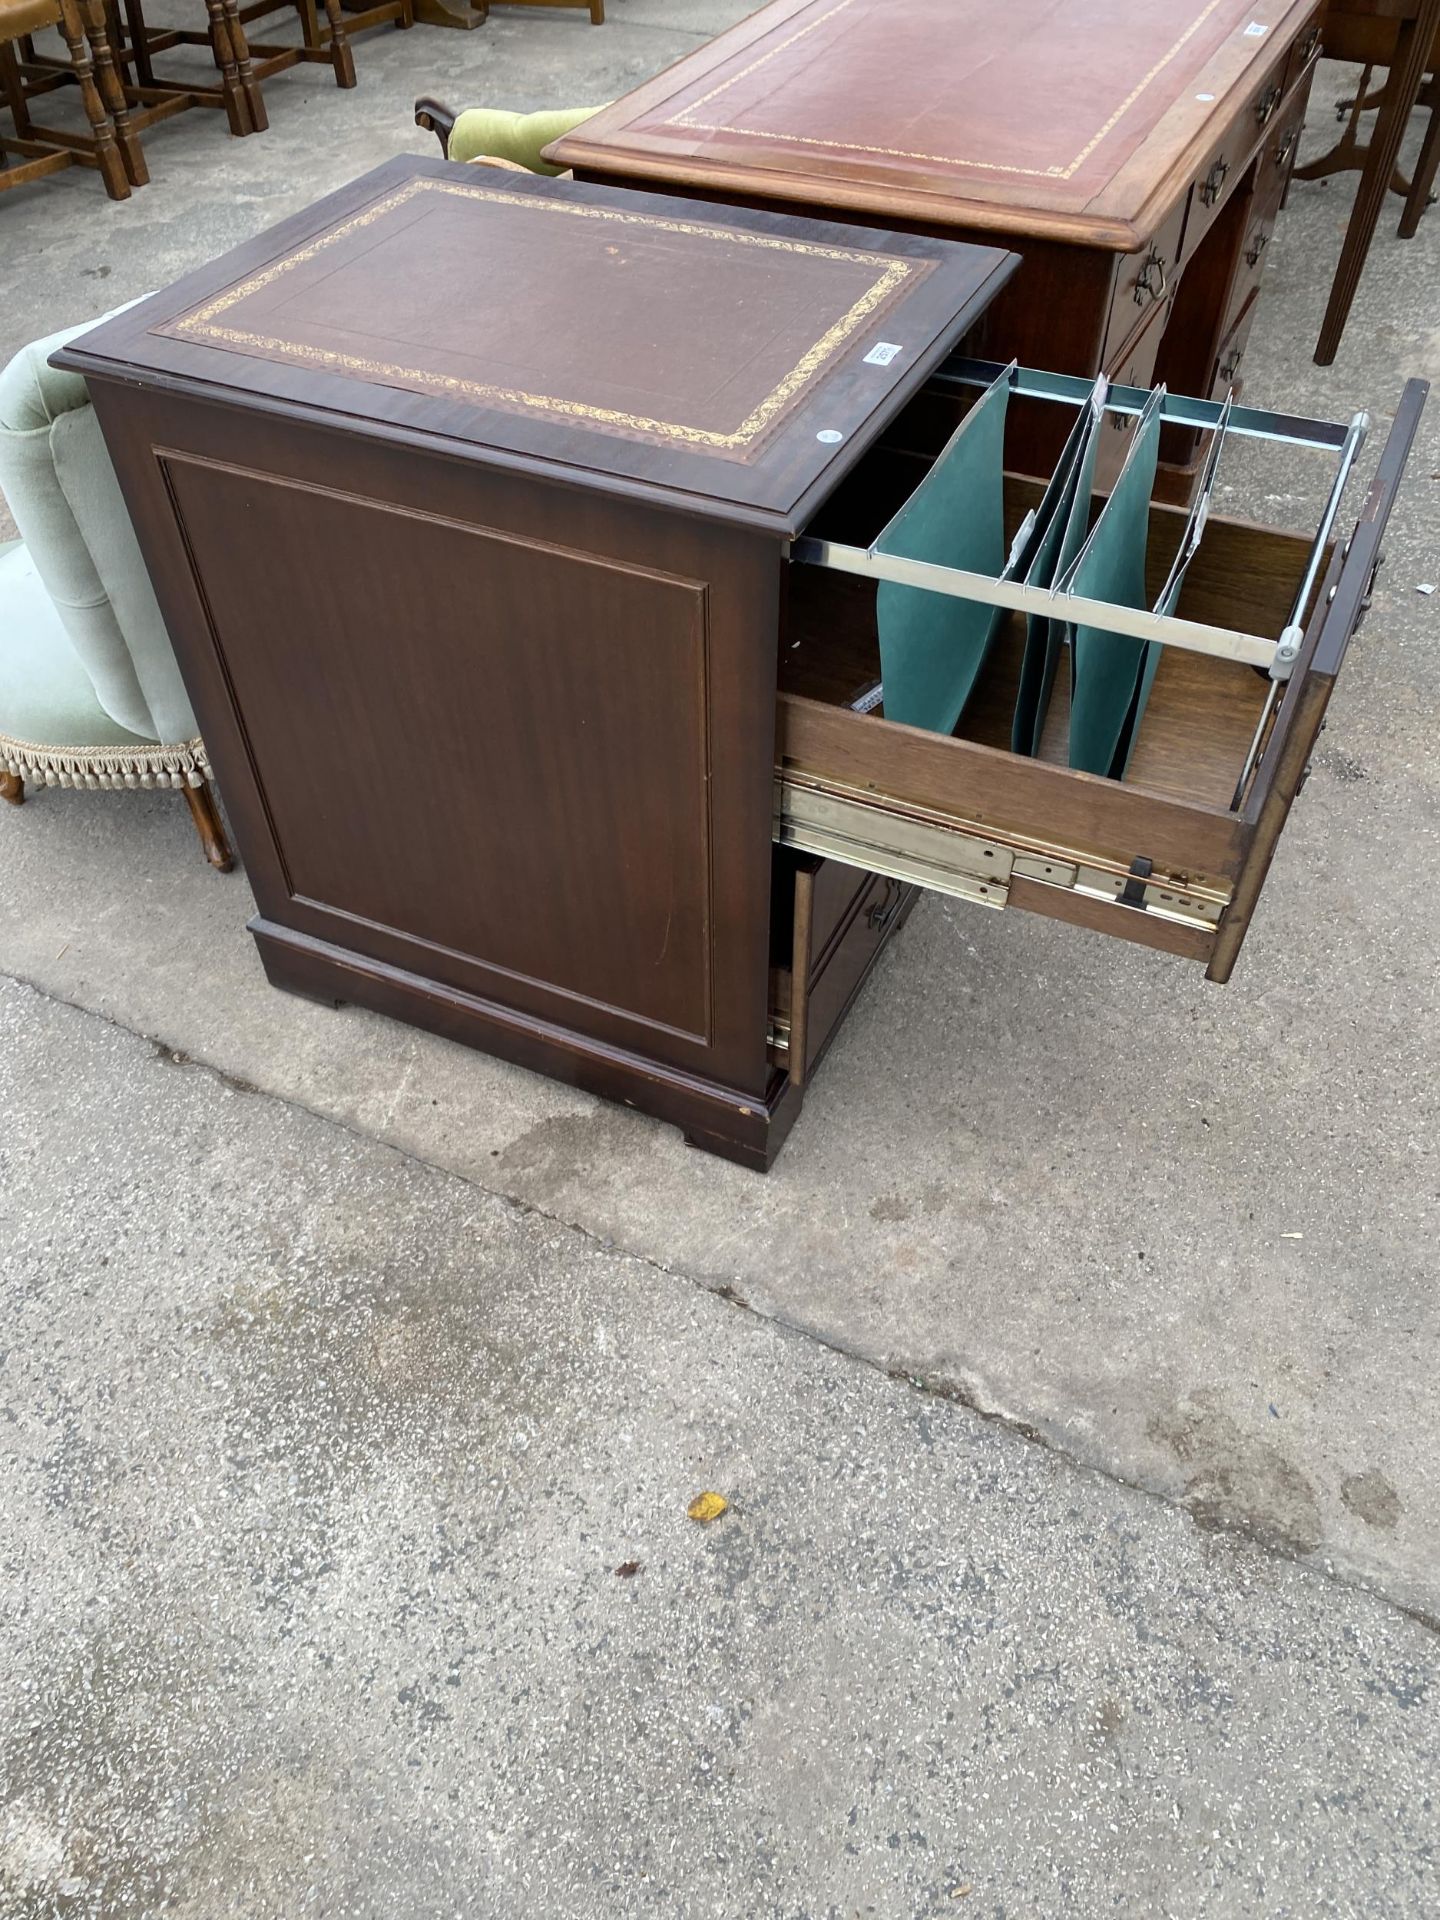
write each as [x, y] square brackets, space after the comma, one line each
[249, 85]
[341, 56]
[209, 826]
[1425, 169]
[12, 788]
[112, 91]
[107, 154]
[1412, 47]
[237, 109]
[14, 89]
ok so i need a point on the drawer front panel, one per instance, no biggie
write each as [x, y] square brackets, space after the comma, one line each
[831, 955]
[835, 891]
[1341, 607]
[1304, 49]
[1250, 266]
[1277, 155]
[1230, 359]
[1133, 369]
[874, 917]
[1219, 173]
[1142, 282]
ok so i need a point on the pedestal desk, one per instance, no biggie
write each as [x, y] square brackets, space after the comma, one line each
[482, 514]
[1134, 152]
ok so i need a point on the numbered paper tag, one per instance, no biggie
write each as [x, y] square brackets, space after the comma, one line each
[1255, 29]
[882, 353]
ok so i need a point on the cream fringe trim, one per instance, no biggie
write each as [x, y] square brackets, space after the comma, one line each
[187, 765]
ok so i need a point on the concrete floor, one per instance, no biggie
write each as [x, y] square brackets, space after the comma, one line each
[1123, 1598]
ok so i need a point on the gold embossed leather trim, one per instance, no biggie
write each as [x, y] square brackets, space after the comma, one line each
[207, 324]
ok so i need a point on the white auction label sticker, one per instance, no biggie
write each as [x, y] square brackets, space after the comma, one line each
[1255, 29]
[883, 353]
[829, 436]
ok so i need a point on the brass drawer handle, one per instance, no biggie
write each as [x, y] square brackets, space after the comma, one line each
[1230, 367]
[1286, 148]
[1258, 243]
[1267, 103]
[1145, 281]
[1214, 181]
[1312, 41]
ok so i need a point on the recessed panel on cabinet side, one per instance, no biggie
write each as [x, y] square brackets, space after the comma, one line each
[492, 749]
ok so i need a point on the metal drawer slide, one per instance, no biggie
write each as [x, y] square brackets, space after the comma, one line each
[964, 859]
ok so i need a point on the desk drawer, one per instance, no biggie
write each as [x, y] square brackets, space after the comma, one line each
[1276, 157]
[1220, 172]
[1143, 282]
[1135, 369]
[1168, 856]
[831, 921]
[1273, 166]
[1230, 357]
[1304, 50]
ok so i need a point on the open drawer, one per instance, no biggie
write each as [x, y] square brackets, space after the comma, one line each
[1174, 854]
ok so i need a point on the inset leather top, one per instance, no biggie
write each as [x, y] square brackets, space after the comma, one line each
[730, 356]
[1074, 113]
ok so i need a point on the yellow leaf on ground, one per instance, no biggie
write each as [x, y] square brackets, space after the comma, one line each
[706, 1507]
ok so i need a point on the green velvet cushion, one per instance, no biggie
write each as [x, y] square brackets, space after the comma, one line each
[46, 698]
[488, 133]
[56, 475]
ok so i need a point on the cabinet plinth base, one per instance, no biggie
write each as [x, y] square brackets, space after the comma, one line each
[720, 1120]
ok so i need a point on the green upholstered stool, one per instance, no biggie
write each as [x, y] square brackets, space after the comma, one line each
[90, 695]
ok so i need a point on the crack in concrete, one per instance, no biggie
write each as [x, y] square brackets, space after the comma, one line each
[955, 1393]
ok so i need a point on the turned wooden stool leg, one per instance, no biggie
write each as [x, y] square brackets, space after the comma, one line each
[112, 91]
[13, 88]
[107, 154]
[209, 826]
[249, 85]
[237, 110]
[12, 788]
[341, 57]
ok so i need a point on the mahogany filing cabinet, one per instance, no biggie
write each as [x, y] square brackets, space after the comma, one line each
[501, 524]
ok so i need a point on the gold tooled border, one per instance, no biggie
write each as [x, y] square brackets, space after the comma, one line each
[684, 118]
[203, 324]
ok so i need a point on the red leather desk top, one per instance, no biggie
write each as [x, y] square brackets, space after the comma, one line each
[1063, 109]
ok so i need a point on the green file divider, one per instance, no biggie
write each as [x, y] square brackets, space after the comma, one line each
[1110, 673]
[932, 646]
[1055, 541]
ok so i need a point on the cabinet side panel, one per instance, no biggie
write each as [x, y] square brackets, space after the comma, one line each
[544, 814]
[508, 736]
